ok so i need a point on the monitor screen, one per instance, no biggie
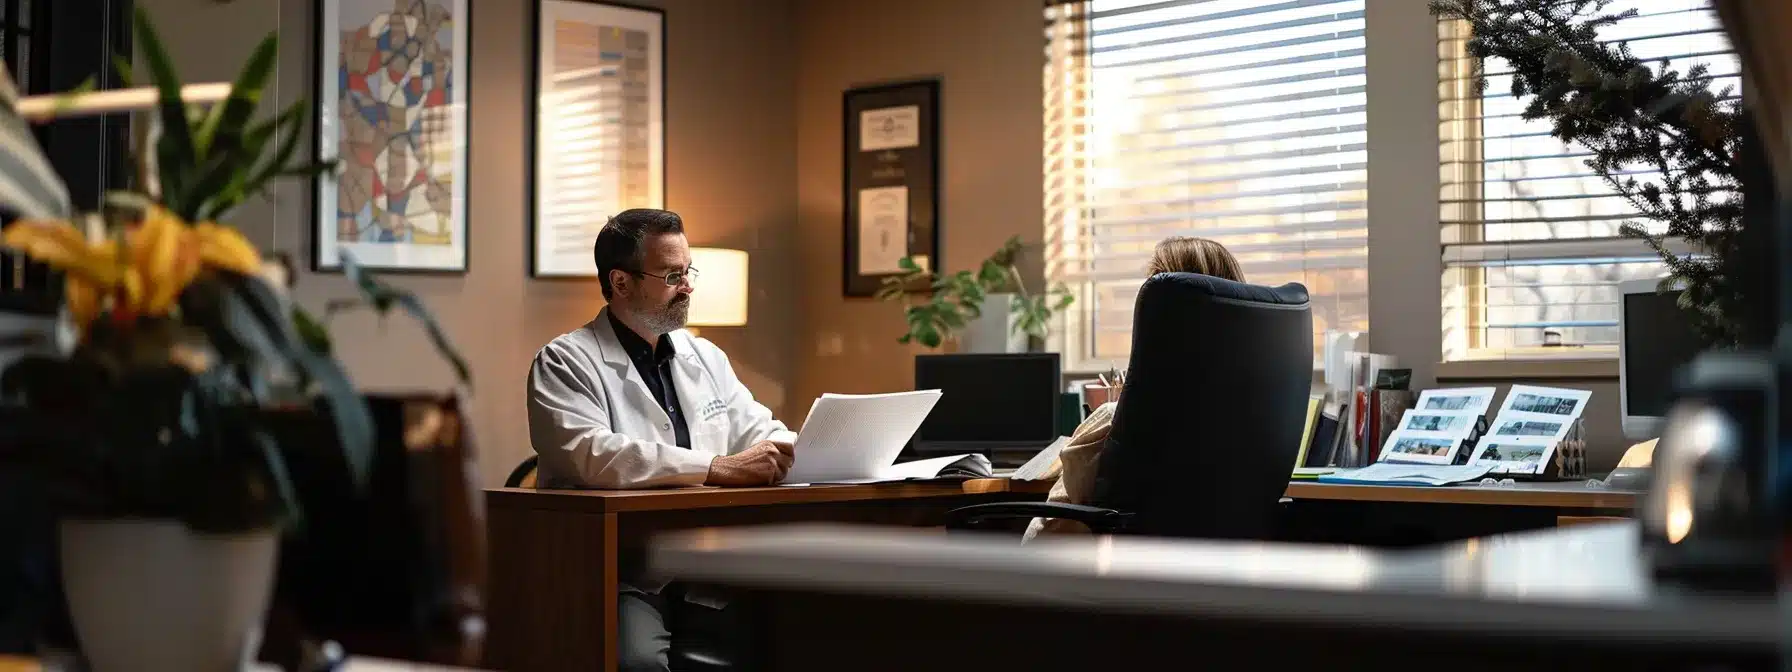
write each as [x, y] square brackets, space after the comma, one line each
[1658, 341]
[996, 399]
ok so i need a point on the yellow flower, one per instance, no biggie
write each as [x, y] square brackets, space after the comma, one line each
[161, 258]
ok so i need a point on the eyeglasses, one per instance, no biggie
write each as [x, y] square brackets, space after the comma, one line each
[675, 278]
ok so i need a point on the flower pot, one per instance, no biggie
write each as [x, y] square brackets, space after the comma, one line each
[992, 331]
[153, 596]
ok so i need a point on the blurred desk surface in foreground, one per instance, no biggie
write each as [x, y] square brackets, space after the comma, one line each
[1578, 598]
[556, 555]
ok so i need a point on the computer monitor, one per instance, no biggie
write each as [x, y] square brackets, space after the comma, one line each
[989, 403]
[1655, 339]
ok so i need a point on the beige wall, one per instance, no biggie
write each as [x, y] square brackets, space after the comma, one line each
[987, 54]
[731, 173]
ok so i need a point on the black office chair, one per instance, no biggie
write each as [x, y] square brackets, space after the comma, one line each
[523, 476]
[1207, 427]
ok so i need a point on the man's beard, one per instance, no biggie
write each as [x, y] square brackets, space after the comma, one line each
[668, 317]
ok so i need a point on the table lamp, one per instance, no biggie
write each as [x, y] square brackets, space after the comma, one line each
[720, 299]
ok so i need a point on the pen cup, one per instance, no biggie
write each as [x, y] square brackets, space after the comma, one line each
[1095, 394]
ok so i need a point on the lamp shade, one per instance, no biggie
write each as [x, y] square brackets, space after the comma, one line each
[719, 298]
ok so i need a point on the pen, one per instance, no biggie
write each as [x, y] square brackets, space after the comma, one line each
[1104, 379]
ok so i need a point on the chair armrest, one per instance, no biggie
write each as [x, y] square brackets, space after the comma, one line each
[1099, 520]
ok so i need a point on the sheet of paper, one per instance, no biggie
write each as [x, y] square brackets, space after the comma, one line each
[1409, 474]
[1515, 454]
[1035, 469]
[1406, 445]
[1453, 423]
[1547, 401]
[883, 229]
[889, 128]
[857, 436]
[1466, 399]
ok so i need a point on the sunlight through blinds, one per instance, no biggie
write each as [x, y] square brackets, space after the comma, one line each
[1242, 121]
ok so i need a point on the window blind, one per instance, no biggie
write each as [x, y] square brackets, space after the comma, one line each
[1532, 247]
[1242, 121]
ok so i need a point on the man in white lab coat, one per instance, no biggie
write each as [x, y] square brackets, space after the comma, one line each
[632, 400]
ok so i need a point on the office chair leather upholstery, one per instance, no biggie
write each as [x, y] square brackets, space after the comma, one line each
[523, 476]
[1208, 425]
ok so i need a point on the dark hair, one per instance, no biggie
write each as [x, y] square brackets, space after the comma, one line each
[618, 246]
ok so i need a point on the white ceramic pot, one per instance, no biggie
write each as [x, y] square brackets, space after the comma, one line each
[992, 331]
[152, 596]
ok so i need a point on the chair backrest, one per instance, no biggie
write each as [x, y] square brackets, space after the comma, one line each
[398, 572]
[523, 476]
[1208, 424]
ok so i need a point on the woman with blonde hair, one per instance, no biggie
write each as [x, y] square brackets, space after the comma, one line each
[1077, 462]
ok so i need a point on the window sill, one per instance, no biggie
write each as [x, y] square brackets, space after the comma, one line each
[1528, 369]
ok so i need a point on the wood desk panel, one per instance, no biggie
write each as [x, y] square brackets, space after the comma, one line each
[557, 554]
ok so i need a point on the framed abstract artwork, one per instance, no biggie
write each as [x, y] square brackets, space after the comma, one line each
[891, 192]
[392, 111]
[598, 143]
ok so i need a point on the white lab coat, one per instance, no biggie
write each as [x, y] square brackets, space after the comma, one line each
[596, 425]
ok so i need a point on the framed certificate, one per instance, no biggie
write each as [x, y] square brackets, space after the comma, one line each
[892, 182]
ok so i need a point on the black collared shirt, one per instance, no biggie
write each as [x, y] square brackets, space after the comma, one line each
[655, 366]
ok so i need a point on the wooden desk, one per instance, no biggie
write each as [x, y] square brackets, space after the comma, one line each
[556, 555]
[1559, 495]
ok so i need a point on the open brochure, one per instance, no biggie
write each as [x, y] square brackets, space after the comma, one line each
[855, 438]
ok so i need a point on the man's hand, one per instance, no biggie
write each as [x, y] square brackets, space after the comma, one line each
[763, 464]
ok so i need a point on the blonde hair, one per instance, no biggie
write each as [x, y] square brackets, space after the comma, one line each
[1187, 254]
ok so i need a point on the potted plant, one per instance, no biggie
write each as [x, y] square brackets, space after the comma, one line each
[988, 310]
[166, 430]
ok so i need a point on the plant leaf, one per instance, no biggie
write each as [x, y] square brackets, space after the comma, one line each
[174, 152]
[384, 297]
[311, 331]
[222, 130]
[122, 67]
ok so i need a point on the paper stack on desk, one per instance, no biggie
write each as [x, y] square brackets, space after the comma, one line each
[1385, 473]
[855, 438]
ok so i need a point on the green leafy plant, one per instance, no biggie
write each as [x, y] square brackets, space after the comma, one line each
[191, 365]
[1634, 116]
[954, 299]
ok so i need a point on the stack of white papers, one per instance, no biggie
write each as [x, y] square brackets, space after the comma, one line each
[1383, 473]
[1530, 424]
[855, 438]
[1433, 431]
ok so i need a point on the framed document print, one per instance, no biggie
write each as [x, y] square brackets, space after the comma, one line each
[599, 140]
[892, 182]
[392, 111]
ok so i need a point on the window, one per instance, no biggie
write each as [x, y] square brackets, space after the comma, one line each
[50, 47]
[1532, 248]
[1242, 121]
